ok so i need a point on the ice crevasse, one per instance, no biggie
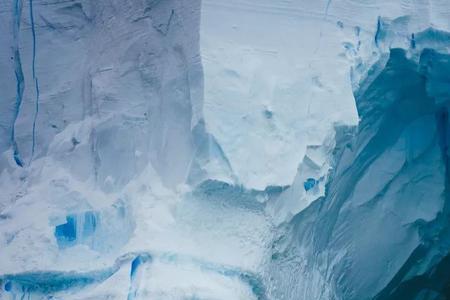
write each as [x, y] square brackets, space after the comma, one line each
[241, 149]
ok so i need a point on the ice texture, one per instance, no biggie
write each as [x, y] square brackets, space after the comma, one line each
[240, 149]
[380, 228]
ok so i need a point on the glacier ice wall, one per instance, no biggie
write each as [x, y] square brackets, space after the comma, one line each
[241, 149]
[381, 231]
[74, 45]
[253, 76]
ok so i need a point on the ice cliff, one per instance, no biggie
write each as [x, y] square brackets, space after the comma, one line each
[241, 149]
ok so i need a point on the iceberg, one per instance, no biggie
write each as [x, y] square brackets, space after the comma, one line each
[374, 235]
[241, 149]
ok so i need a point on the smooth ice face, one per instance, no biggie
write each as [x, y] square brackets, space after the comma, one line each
[214, 149]
[267, 94]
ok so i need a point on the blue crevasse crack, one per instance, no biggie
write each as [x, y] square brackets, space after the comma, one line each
[20, 82]
[134, 282]
[36, 84]
[378, 31]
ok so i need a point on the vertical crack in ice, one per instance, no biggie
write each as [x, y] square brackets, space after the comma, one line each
[378, 31]
[17, 11]
[20, 80]
[135, 264]
[33, 31]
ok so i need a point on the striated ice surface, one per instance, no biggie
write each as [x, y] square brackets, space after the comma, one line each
[241, 149]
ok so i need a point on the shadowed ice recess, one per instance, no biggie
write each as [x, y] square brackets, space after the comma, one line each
[386, 206]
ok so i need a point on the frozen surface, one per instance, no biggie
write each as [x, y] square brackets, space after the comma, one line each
[254, 76]
[381, 228]
[241, 149]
